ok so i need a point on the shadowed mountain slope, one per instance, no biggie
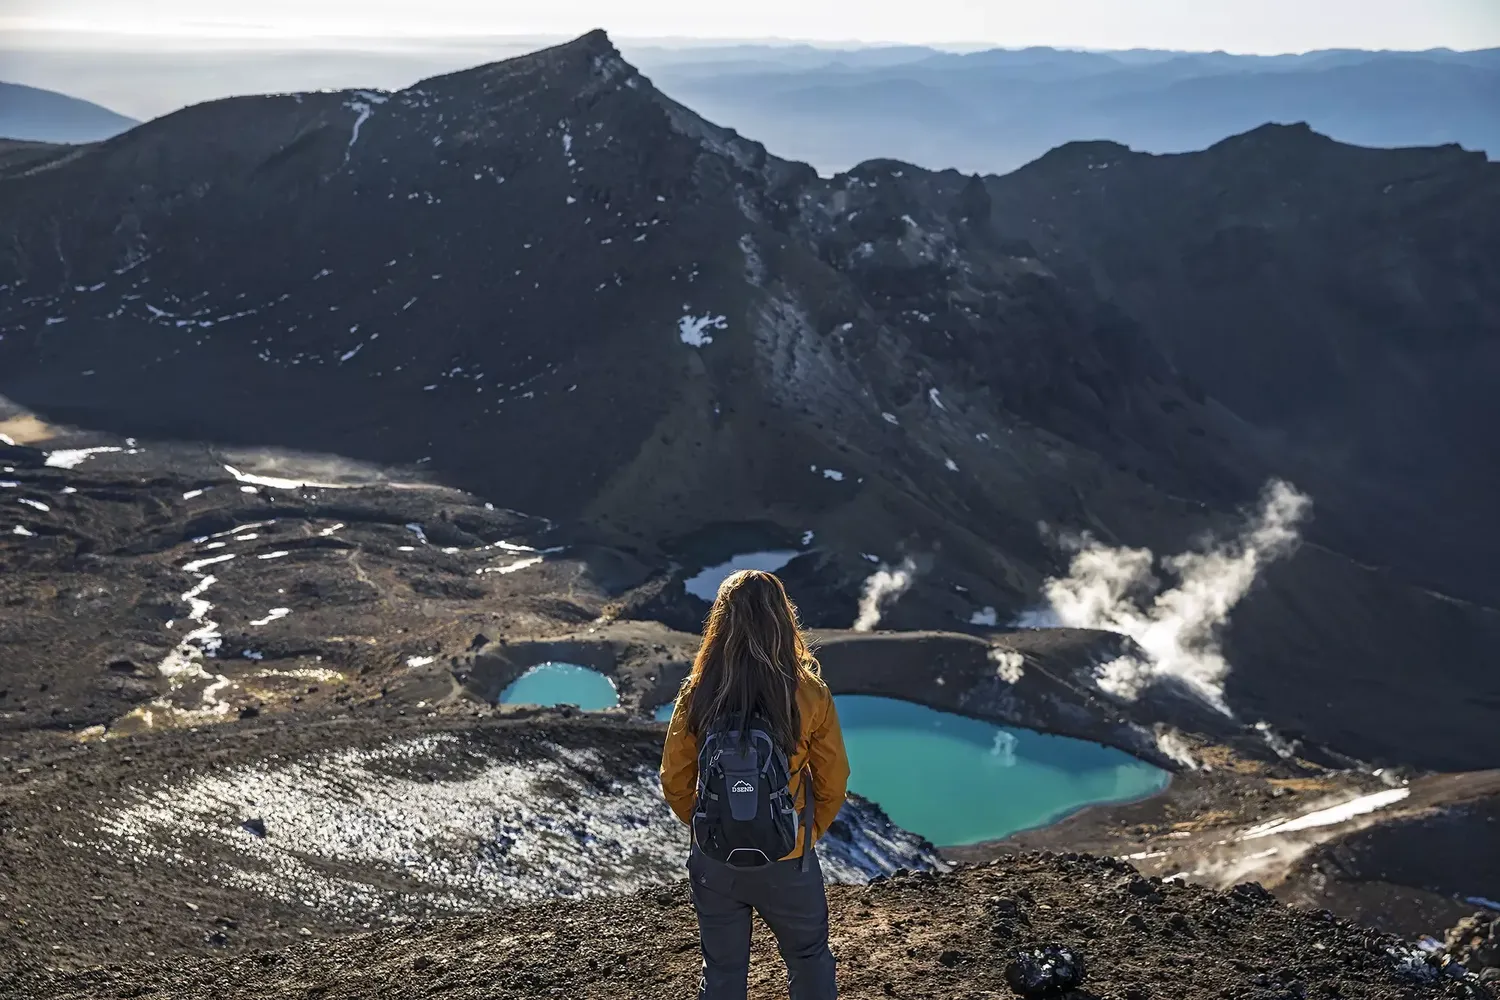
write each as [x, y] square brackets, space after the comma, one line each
[546, 282]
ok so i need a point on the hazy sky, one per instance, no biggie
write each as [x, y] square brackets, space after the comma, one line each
[1234, 25]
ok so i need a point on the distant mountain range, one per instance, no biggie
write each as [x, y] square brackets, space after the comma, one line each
[35, 115]
[997, 109]
[986, 111]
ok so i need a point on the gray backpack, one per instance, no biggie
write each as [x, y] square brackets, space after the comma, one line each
[745, 815]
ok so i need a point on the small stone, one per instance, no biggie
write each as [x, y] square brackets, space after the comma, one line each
[1048, 970]
[257, 826]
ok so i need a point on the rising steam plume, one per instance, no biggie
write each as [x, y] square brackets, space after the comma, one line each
[881, 588]
[1177, 629]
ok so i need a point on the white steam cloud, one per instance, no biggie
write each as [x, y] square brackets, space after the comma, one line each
[881, 588]
[1178, 631]
[1009, 665]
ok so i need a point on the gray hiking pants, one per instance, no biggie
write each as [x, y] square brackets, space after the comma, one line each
[792, 904]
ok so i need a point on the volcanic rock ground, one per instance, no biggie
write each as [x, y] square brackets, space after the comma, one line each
[332, 413]
[916, 936]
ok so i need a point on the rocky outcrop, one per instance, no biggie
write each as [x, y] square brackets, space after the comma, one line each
[1474, 942]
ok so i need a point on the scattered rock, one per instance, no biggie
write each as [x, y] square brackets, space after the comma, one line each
[1475, 941]
[1048, 970]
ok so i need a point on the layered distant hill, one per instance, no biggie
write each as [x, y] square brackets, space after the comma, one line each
[30, 114]
[984, 111]
[997, 109]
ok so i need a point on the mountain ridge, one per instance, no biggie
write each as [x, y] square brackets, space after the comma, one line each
[544, 281]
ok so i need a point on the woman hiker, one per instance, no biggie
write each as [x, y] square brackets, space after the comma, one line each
[754, 763]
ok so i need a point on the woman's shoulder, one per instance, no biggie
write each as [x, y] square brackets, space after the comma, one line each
[811, 688]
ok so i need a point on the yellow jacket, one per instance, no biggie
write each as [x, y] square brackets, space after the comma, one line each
[821, 747]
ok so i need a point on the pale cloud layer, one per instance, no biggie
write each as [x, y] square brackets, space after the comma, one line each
[1234, 25]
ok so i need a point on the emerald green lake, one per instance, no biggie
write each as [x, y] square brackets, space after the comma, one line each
[956, 780]
[562, 684]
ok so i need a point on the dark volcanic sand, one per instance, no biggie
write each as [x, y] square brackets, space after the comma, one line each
[919, 937]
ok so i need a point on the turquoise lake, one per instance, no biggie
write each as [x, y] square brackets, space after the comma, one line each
[956, 780]
[562, 684]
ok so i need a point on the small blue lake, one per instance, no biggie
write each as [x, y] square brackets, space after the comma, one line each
[562, 684]
[956, 780]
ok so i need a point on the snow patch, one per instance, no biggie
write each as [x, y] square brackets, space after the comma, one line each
[704, 585]
[277, 483]
[1331, 816]
[198, 564]
[72, 458]
[363, 104]
[519, 564]
[273, 615]
[371, 831]
[693, 330]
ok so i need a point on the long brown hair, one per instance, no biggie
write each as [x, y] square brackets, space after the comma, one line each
[752, 660]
